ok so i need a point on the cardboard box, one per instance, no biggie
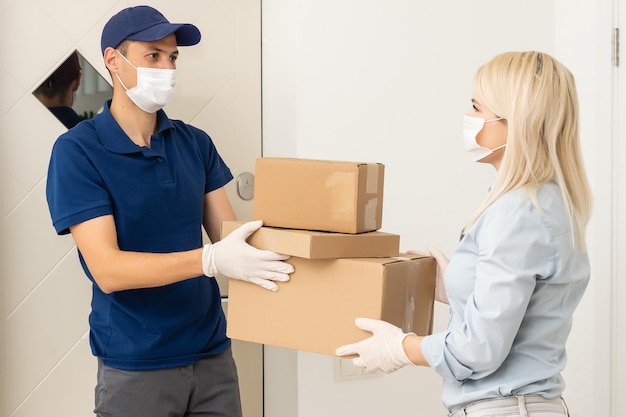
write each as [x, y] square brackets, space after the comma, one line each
[332, 196]
[320, 245]
[316, 309]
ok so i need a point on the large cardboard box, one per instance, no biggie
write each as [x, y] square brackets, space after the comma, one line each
[332, 196]
[316, 309]
[320, 245]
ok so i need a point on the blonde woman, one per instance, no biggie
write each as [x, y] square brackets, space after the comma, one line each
[521, 266]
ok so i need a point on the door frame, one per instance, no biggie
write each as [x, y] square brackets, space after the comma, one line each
[618, 241]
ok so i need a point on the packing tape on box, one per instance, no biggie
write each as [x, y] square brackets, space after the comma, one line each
[409, 305]
[409, 299]
[370, 214]
[371, 184]
[371, 187]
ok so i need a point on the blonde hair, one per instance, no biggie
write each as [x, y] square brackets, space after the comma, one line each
[536, 95]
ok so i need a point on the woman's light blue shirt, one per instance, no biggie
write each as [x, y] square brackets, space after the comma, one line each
[513, 283]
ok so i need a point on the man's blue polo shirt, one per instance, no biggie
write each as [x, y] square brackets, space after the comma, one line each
[156, 196]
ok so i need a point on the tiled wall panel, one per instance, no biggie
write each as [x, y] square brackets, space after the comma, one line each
[63, 392]
[46, 327]
[45, 295]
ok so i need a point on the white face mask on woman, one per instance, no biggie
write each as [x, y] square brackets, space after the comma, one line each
[154, 88]
[471, 127]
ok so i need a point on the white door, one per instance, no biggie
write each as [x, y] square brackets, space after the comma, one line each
[618, 289]
[45, 361]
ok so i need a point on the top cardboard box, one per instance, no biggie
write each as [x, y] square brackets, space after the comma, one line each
[331, 196]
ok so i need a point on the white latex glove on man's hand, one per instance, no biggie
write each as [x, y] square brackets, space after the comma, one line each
[442, 264]
[383, 351]
[235, 258]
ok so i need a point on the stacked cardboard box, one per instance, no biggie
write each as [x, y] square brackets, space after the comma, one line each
[333, 196]
[326, 214]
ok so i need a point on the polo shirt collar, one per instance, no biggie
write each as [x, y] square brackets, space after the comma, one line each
[115, 139]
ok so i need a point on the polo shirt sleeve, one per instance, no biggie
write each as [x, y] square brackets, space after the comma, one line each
[515, 249]
[217, 172]
[75, 191]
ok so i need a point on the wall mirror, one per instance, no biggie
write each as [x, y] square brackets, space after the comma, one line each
[74, 91]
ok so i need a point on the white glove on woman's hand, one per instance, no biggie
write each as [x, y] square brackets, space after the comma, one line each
[442, 264]
[383, 351]
[235, 258]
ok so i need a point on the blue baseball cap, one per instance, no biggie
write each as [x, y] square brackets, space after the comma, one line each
[144, 23]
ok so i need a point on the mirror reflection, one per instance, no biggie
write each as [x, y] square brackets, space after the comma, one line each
[75, 91]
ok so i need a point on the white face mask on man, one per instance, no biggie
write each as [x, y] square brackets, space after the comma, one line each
[471, 127]
[154, 88]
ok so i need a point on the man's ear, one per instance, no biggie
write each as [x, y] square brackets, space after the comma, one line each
[111, 60]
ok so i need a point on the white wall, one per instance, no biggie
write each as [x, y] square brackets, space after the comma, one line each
[364, 80]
